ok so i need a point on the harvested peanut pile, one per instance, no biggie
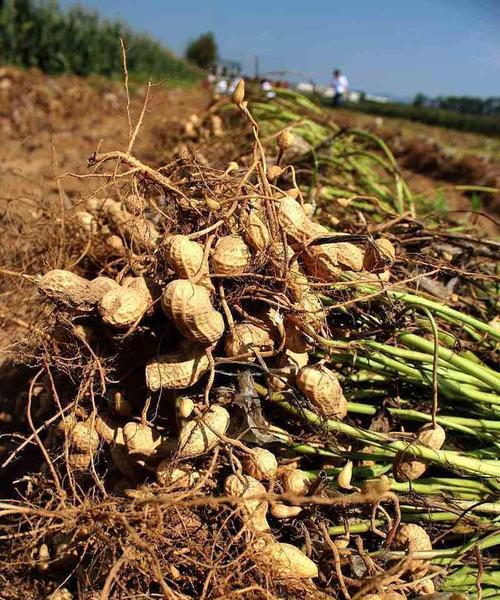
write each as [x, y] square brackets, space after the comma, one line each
[218, 388]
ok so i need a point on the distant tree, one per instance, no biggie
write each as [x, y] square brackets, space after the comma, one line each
[420, 100]
[203, 51]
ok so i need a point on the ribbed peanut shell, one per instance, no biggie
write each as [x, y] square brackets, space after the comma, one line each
[283, 511]
[295, 339]
[122, 307]
[256, 231]
[252, 508]
[79, 461]
[84, 438]
[295, 481]
[231, 256]
[311, 311]
[293, 219]
[141, 439]
[321, 387]
[101, 285]
[286, 561]
[168, 476]
[177, 370]
[432, 436]
[327, 261]
[109, 430]
[185, 257]
[68, 290]
[143, 234]
[419, 539]
[145, 286]
[246, 338]
[200, 435]
[407, 468]
[261, 464]
[190, 308]
[379, 256]
[289, 363]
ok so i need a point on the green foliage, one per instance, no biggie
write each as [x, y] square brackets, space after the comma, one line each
[467, 105]
[38, 33]
[488, 124]
[203, 51]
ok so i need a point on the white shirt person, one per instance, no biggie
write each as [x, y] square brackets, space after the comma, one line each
[340, 86]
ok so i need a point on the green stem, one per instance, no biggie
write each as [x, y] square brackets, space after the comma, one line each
[444, 458]
[482, 373]
[463, 424]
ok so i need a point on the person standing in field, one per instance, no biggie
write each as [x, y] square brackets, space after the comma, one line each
[340, 87]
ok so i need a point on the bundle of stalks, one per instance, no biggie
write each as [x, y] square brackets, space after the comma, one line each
[239, 399]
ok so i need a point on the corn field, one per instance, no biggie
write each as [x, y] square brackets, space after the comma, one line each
[38, 33]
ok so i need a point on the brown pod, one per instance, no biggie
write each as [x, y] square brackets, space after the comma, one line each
[177, 370]
[231, 256]
[285, 560]
[283, 511]
[261, 464]
[109, 430]
[322, 388]
[145, 286]
[327, 261]
[432, 436]
[216, 125]
[295, 481]
[289, 363]
[253, 509]
[256, 231]
[407, 468]
[122, 307]
[186, 258]
[143, 234]
[84, 438]
[416, 536]
[379, 256]
[68, 290]
[79, 461]
[168, 476]
[295, 339]
[284, 140]
[190, 308]
[201, 435]
[141, 439]
[246, 338]
[293, 219]
[101, 285]
[311, 311]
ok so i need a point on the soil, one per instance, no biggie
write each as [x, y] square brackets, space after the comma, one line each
[48, 127]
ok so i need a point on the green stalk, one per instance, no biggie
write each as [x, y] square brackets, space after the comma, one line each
[482, 373]
[463, 424]
[406, 517]
[426, 358]
[443, 309]
[444, 458]
[449, 388]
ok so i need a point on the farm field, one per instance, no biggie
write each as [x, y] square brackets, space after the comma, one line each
[205, 392]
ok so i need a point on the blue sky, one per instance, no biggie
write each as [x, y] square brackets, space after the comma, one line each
[395, 46]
